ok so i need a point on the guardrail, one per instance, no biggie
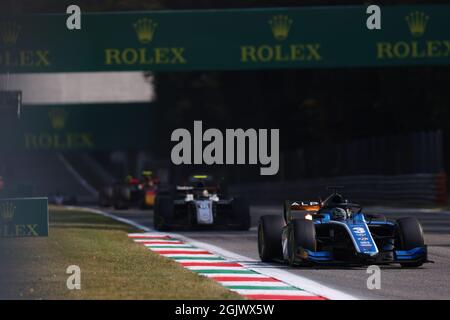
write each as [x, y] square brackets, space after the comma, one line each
[418, 189]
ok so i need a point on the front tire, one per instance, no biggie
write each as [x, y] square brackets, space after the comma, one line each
[302, 234]
[410, 237]
[269, 237]
[122, 198]
[105, 197]
[163, 212]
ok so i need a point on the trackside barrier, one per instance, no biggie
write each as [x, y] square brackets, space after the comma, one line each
[441, 185]
[419, 189]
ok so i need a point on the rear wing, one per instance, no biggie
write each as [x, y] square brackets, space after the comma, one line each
[184, 188]
[305, 206]
[297, 208]
[181, 188]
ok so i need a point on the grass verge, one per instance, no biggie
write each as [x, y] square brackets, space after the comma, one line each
[112, 266]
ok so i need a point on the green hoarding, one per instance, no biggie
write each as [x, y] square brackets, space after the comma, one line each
[24, 217]
[309, 37]
[81, 127]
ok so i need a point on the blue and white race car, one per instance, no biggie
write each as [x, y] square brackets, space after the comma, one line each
[335, 231]
[201, 203]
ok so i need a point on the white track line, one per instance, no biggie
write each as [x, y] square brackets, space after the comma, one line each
[77, 176]
[235, 275]
[175, 249]
[200, 268]
[174, 255]
[251, 264]
[167, 246]
[256, 284]
[288, 292]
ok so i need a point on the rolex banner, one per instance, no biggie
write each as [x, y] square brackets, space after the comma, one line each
[86, 127]
[24, 217]
[316, 37]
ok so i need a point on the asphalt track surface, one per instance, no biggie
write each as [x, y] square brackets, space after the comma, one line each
[431, 281]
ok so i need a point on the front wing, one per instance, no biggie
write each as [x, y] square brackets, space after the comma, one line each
[419, 254]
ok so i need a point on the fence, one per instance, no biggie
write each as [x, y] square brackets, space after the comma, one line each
[416, 189]
[400, 154]
[418, 152]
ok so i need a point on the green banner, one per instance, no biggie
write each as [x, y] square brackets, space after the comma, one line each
[24, 217]
[315, 37]
[81, 127]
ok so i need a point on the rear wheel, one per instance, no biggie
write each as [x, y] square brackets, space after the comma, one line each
[122, 198]
[302, 233]
[120, 204]
[106, 196]
[269, 237]
[163, 212]
[411, 236]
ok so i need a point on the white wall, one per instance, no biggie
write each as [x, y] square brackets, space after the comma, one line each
[81, 87]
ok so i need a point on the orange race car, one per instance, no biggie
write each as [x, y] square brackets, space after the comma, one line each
[134, 192]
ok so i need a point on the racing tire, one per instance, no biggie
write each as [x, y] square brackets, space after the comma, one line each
[122, 198]
[163, 213]
[105, 197]
[269, 237]
[411, 236]
[143, 205]
[241, 210]
[301, 234]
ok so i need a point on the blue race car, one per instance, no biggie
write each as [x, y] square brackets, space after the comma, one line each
[338, 232]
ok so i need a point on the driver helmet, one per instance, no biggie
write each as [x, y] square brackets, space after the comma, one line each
[200, 185]
[339, 213]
